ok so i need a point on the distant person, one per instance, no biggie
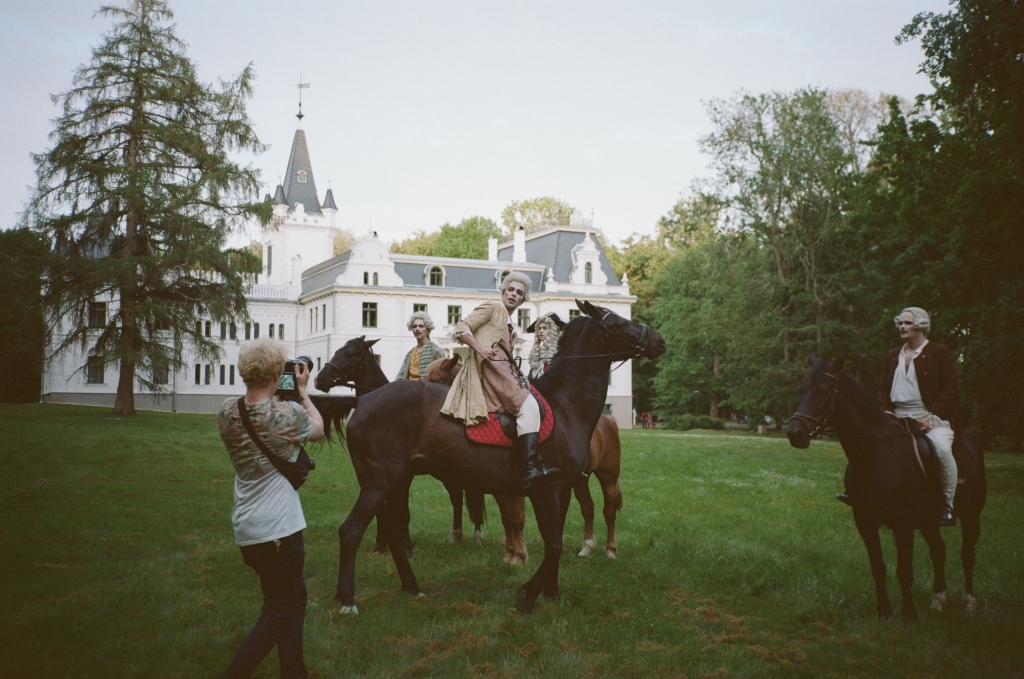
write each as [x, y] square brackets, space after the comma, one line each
[267, 514]
[644, 419]
[545, 344]
[414, 367]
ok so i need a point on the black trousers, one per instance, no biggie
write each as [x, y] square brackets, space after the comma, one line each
[279, 564]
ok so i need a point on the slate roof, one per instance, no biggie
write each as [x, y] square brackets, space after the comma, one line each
[294, 190]
[329, 200]
[554, 250]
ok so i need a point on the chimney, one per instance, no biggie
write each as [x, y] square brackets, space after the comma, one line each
[492, 249]
[519, 245]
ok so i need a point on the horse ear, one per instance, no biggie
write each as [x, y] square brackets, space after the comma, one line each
[587, 308]
[371, 342]
[812, 360]
[837, 365]
[361, 338]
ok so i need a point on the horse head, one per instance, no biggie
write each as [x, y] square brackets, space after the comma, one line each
[443, 370]
[818, 396]
[626, 339]
[345, 365]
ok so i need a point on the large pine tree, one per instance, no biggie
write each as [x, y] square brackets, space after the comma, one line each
[139, 196]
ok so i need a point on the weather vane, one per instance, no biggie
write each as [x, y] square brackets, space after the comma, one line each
[301, 86]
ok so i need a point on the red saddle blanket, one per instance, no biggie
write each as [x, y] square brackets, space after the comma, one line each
[490, 433]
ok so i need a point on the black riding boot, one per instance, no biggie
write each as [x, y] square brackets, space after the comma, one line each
[845, 499]
[947, 519]
[532, 463]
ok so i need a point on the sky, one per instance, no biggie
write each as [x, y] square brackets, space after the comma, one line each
[426, 112]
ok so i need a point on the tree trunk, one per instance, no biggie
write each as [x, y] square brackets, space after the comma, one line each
[717, 371]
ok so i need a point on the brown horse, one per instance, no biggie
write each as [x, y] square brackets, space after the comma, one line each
[605, 461]
[398, 432]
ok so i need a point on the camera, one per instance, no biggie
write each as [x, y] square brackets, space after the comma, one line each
[286, 387]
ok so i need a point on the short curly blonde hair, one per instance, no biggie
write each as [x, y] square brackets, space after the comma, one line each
[420, 316]
[260, 363]
[518, 277]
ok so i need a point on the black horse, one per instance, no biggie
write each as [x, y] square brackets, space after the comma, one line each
[886, 481]
[398, 432]
[354, 365]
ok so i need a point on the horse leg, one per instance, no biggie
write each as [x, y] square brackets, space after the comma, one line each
[905, 569]
[350, 534]
[937, 551]
[379, 543]
[390, 521]
[455, 495]
[612, 504]
[869, 534]
[400, 499]
[582, 490]
[476, 509]
[513, 518]
[547, 507]
[970, 527]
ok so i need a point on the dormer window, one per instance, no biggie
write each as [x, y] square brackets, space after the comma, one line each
[436, 277]
[302, 177]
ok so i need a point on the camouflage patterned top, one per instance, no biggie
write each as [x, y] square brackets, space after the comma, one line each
[266, 506]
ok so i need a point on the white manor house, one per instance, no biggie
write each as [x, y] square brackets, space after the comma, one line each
[314, 303]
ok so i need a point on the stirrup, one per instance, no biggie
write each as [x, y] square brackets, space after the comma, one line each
[946, 519]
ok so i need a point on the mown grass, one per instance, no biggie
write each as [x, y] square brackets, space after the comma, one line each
[117, 560]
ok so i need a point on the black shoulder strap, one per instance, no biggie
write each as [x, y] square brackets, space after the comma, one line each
[247, 423]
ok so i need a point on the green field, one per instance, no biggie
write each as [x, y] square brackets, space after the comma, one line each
[117, 560]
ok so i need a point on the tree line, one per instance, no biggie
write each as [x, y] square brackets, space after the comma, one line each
[827, 213]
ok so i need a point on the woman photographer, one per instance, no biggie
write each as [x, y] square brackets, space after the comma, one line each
[267, 515]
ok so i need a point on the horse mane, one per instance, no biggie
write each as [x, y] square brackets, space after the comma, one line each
[334, 409]
[862, 400]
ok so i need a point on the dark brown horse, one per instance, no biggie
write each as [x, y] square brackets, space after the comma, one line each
[354, 365]
[886, 482]
[605, 462]
[398, 432]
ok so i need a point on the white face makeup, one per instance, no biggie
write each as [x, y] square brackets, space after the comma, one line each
[419, 329]
[513, 295]
[542, 332]
[905, 326]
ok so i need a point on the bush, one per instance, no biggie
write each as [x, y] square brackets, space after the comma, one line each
[684, 422]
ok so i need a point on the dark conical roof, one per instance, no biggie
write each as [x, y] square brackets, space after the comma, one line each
[279, 198]
[299, 186]
[329, 200]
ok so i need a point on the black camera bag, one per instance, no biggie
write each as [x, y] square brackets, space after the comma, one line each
[296, 472]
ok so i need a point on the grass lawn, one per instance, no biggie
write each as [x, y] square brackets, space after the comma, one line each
[117, 560]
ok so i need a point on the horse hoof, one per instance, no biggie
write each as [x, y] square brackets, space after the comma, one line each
[478, 537]
[611, 554]
[457, 535]
[910, 613]
[938, 601]
[524, 606]
[349, 610]
[969, 603]
[588, 547]
[420, 596]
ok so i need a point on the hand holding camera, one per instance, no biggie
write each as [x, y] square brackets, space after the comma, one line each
[294, 378]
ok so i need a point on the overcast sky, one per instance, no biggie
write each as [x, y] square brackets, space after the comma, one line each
[425, 112]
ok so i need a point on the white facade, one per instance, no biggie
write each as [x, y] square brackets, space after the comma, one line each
[314, 302]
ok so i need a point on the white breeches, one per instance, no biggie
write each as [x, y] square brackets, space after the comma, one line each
[942, 440]
[528, 419]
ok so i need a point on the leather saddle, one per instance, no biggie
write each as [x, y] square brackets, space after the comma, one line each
[924, 451]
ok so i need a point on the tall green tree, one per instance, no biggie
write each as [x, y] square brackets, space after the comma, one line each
[947, 202]
[139, 195]
[535, 214]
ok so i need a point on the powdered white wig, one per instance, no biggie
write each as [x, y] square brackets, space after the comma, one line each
[921, 319]
[420, 316]
[517, 277]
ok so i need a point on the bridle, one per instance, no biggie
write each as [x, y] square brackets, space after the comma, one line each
[349, 384]
[821, 423]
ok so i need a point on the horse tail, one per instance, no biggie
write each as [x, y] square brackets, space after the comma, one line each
[334, 410]
[476, 507]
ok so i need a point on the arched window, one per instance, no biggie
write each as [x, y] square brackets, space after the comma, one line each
[280, 331]
[502, 275]
[302, 177]
[436, 276]
[366, 278]
[588, 273]
[255, 330]
[271, 331]
[375, 278]
[270, 259]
